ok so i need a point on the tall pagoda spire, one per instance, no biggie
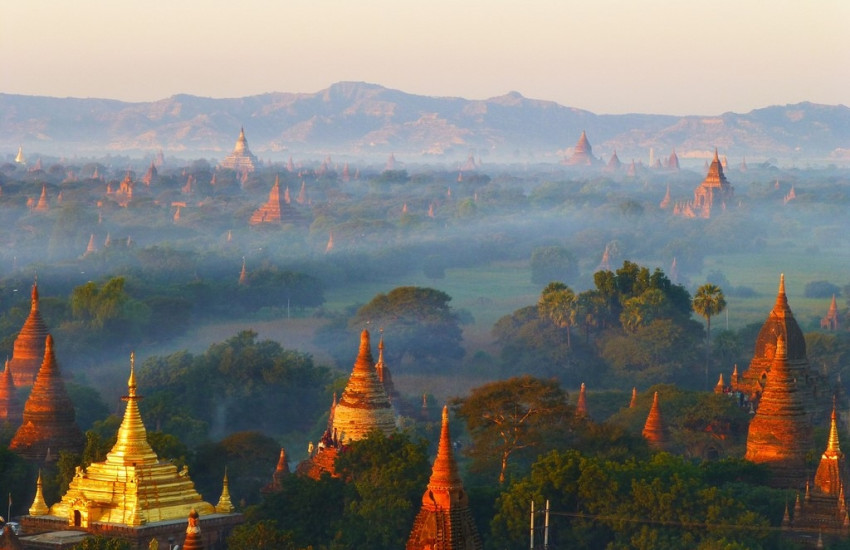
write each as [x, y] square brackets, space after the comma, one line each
[831, 474]
[581, 406]
[364, 404]
[655, 431]
[781, 322]
[28, 349]
[780, 432]
[243, 275]
[131, 446]
[445, 520]
[11, 411]
[49, 418]
[633, 402]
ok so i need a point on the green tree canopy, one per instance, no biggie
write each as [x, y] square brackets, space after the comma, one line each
[419, 322]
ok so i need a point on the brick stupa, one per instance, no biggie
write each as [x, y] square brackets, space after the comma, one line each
[364, 405]
[28, 349]
[445, 520]
[655, 430]
[781, 322]
[582, 153]
[11, 411]
[49, 425]
[270, 211]
[780, 433]
[241, 160]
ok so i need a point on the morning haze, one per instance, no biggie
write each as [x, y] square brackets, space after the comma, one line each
[311, 275]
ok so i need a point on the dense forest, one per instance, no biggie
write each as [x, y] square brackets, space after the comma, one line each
[493, 287]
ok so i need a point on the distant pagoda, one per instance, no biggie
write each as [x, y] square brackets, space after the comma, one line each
[830, 322]
[28, 349]
[780, 433]
[270, 211]
[49, 421]
[444, 521]
[241, 160]
[20, 158]
[582, 153]
[714, 189]
[132, 494]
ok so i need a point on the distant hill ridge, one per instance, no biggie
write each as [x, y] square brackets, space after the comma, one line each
[359, 119]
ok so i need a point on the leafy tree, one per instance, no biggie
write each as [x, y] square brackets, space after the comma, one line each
[708, 302]
[388, 476]
[420, 321]
[249, 458]
[311, 510]
[511, 418]
[557, 303]
[664, 502]
[262, 535]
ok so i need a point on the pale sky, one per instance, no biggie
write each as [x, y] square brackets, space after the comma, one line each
[606, 56]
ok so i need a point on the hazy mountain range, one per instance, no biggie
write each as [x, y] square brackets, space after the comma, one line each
[366, 120]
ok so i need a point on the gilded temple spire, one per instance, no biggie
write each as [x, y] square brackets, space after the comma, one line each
[832, 445]
[39, 506]
[132, 447]
[225, 505]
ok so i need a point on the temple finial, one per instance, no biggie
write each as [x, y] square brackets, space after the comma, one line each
[131, 383]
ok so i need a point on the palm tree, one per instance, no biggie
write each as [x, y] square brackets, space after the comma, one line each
[708, 301]
[558, 304]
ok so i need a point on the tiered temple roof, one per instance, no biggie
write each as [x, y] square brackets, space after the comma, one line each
[28, 349]
[11, 411]
[49, 423]
[270, 211]
[364, 405]
[715, 188]
[132, 486]
[655, 430]
[781, 322]
[445, 520]
[582, 153]
[830, 322]
[780, 433]
[241, 159]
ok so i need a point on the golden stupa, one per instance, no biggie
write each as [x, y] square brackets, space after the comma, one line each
[132, 487]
